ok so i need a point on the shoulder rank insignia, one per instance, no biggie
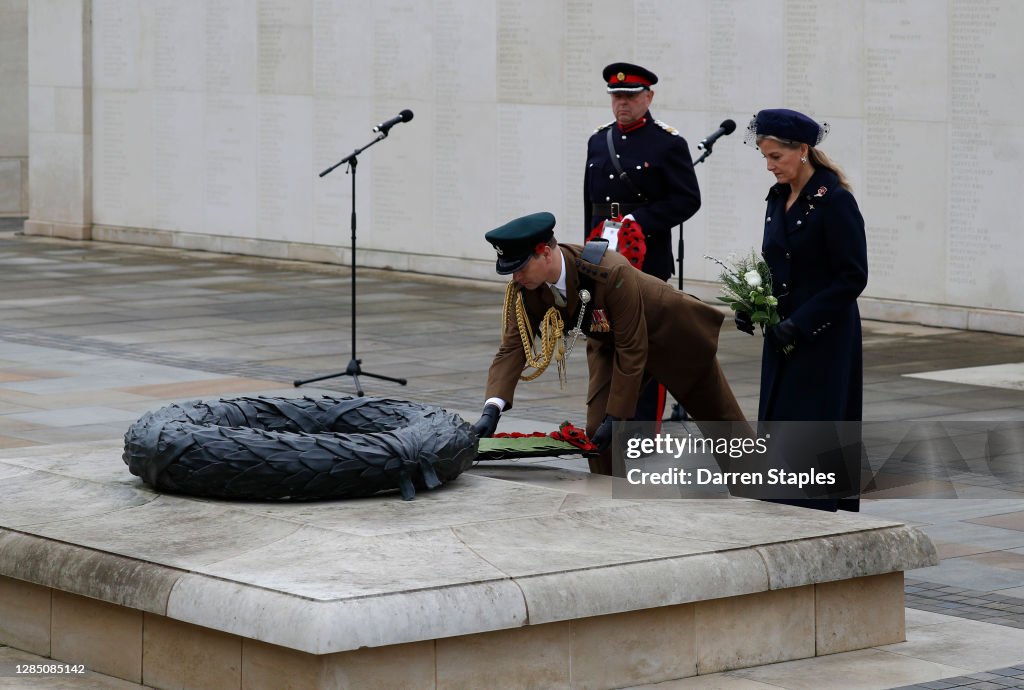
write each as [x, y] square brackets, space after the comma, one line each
[668, 128]
[599, 321]
[605, 126]
[595, 272]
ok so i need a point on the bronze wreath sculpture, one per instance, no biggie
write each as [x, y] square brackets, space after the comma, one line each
[298, 449]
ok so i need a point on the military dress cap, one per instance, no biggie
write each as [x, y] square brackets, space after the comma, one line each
[516, 241]
[785, 124]
[623, 77]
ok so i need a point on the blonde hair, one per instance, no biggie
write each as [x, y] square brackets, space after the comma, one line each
[815, 155]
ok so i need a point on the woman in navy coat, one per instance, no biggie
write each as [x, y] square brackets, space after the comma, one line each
[814, 244]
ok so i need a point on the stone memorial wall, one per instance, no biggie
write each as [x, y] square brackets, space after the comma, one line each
[13, 107]
[212, 118]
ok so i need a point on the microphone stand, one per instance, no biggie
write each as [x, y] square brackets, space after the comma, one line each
[354, 368]
[707, 152]
[678, 413]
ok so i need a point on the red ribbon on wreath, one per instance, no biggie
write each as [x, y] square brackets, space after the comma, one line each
[632, 244]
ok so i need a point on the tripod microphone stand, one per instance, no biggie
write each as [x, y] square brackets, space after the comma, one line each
[354, 368]
[681, 248]
[727, 127]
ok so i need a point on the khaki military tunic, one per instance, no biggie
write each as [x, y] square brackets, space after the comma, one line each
[653, 331]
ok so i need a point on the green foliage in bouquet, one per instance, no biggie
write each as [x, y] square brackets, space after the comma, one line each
[747, 286]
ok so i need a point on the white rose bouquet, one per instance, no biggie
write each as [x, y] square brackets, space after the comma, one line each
[747, 287]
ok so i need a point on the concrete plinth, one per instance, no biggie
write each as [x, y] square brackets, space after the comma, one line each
[484, 583]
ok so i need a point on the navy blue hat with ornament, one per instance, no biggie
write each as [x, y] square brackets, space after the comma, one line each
[516, 241]
[785, 124]
[623, 77]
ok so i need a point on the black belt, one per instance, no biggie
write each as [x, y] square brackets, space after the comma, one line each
[612, 210]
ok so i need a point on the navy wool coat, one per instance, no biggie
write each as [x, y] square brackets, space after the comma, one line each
[817, 254]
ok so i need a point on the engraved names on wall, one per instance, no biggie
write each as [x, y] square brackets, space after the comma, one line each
[215, 116]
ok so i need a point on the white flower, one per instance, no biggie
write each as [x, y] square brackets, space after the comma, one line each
[753, 278]
[771, 300]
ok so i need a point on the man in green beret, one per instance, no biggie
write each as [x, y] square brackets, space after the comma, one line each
[636, 327]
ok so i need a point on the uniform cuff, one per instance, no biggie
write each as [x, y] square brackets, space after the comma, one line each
[495, 401]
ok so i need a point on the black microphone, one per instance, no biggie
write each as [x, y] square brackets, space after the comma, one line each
[727, 127]
[406, 115]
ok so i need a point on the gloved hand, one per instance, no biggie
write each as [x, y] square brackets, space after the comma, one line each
[782, 336]
[602, 438]
[744, 323]
[488, 421]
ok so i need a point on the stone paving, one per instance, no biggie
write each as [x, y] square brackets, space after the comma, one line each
[965, 603]
[1011, 677]
[92, 335]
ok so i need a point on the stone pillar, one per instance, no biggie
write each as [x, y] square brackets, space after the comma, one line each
[60, 118]
[14, 107]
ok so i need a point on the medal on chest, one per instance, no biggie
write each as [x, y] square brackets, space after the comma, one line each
[599, 322]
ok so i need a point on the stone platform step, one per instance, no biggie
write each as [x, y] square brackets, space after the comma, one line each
[472, 585]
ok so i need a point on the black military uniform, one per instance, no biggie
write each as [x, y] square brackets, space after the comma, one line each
[656, 185]
[661, 191]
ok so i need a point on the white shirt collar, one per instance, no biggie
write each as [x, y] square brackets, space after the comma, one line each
[560, 285]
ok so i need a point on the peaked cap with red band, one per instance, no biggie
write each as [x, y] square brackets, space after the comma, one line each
[623, 77]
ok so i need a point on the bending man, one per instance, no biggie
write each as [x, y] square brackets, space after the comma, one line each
[636, 327]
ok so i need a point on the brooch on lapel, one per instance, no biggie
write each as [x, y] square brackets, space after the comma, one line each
[820, 194]
[599, 322]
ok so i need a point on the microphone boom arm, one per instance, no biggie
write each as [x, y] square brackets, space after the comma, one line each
[707, 152]
[352, 156]
[725, 129]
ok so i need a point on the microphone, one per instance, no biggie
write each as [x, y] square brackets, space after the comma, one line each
[727, 127]
[406, 115]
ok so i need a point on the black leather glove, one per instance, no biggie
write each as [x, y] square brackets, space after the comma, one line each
[782, 336]
[488, 421]
[744, 323]
[603, 436]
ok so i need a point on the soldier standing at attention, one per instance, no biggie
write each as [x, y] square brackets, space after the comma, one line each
[639, 171]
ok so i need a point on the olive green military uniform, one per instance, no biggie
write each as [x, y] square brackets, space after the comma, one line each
[653, 330]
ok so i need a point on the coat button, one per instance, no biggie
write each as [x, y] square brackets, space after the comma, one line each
[799, 222]
[611, 177]
[768, 219]
[783, 286]
[787, 255]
